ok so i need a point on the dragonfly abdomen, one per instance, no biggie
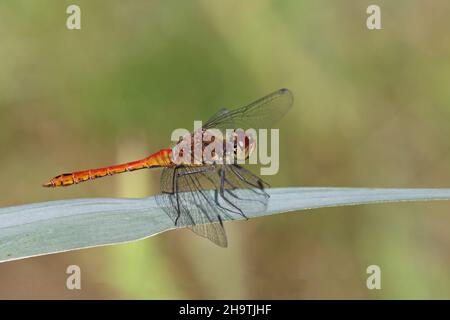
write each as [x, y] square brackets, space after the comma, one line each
[161, 158]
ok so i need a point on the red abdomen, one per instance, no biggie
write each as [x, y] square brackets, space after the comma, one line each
[159, 159]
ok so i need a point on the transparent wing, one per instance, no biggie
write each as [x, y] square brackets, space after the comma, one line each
[186, 199]
[262, 113]
[200, 197]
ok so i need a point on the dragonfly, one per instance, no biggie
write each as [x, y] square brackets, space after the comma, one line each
[200, 195]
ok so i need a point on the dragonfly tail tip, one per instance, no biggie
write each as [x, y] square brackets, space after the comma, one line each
[48, 184]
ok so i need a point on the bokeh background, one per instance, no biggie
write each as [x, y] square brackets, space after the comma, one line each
[372, 109]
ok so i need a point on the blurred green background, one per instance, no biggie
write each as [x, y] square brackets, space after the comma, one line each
[371, 110]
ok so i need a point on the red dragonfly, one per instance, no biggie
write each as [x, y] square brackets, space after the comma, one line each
[200, 195]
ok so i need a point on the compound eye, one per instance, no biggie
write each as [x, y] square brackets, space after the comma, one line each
[247, 142]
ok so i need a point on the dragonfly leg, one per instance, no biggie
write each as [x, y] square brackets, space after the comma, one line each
[259, 181]
[231, 193]
[222, 193]
[216, 196]
[175, 188]
[216, 200]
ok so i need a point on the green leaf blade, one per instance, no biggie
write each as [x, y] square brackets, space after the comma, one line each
[58, 226]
